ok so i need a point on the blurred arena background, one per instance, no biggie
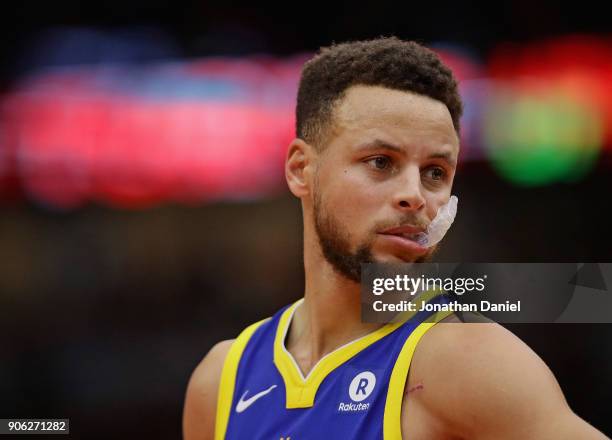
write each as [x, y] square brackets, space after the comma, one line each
[144, 214]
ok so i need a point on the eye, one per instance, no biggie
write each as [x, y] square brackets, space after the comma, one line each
[380, 162]
[436, 173]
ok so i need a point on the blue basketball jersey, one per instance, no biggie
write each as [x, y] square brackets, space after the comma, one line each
[354, 392]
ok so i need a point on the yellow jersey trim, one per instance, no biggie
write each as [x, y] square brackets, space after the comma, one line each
[392, 426]
[228, 379]
[300, 390]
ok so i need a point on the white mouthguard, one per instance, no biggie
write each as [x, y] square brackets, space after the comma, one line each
[440, 224]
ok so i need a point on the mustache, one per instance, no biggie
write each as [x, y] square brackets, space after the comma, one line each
[417, 222]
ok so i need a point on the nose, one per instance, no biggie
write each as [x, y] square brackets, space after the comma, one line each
[408, 195]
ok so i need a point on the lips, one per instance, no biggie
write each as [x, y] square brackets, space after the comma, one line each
[412, 237]
[404, 231]
[405, 237]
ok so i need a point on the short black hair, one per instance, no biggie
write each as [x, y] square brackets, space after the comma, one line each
[385, 61]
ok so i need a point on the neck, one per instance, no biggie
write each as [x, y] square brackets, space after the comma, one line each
[330, 315]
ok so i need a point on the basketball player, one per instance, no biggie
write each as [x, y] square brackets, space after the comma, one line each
[374, 159]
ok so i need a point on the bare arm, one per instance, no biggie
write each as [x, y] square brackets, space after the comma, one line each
[201, 399]
[484, 383]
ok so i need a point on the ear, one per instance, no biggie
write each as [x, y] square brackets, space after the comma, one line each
[299, 167]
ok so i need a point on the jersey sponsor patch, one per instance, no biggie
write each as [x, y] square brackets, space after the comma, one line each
[360, 388]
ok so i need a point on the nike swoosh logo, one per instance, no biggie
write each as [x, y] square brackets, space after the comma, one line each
[244, 404]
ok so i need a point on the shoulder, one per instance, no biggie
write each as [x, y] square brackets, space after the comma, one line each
[200, 408]
[201, 397]
[479, 354]
[480, 378]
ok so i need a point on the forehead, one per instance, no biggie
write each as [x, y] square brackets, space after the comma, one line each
[399, 117]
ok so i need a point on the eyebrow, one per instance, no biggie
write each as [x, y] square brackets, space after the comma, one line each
[447, 156]
[378, 143]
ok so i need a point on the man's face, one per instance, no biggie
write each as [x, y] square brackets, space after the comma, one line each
[388, 165]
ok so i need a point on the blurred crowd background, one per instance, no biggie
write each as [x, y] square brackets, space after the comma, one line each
[143, 209]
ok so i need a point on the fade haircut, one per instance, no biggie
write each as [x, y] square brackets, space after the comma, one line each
[387, 61]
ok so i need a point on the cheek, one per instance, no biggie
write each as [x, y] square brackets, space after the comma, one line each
[352, 200]
[435, 202]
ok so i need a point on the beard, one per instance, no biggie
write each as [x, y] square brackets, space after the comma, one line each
[336, 243]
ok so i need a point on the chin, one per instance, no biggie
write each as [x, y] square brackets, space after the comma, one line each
[389, 256]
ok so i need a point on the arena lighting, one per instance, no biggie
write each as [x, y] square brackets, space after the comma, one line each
[579, 67]
[535, 136]
[473, 85]
[217, 129]
[79, 136]
[550, 113]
